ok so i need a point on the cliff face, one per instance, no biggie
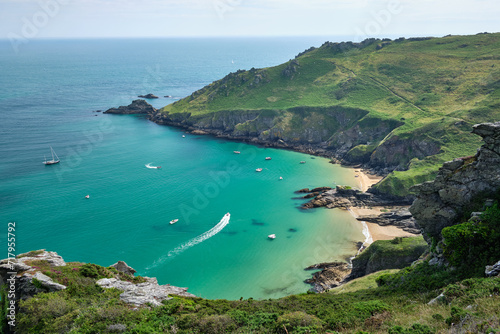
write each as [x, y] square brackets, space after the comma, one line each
[440, 202]
[333, 131]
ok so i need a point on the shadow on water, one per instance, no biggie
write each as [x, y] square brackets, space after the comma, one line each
[257, 223]
[270, 291]
[230, 232]
[292, 230]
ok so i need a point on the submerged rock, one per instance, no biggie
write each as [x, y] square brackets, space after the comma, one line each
[148, 96]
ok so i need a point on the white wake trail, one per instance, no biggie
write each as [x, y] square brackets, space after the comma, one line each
[193, 242]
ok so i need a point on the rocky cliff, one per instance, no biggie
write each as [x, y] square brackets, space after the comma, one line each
[328, 131]
[441, 202]
[30, 272]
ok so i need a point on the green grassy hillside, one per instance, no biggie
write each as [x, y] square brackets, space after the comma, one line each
[405, 105]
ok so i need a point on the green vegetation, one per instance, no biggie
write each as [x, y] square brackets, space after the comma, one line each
[389, 254]
[474, 244]
[86, 308]
[389, 301]
[409, 104]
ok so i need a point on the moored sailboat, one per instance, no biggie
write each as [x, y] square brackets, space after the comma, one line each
[54, 160]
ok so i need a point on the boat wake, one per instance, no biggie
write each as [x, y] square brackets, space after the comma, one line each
[153, 167]
[193, 242]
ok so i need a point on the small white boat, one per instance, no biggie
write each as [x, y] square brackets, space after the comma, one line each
[236, 152]
[281, 177]
[183, 136]
[302, 162]
[88, 196]
[272, 236]
[258, 170]
[173, 221]
[54, 160]
[268, 158]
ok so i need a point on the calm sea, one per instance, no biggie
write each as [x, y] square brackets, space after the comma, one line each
[48, 92]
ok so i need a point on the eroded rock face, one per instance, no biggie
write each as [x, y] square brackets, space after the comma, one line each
[149, 292]
[440, 202]
[29, 281]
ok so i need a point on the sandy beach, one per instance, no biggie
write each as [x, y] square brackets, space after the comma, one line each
[377, 232]
[366, 180]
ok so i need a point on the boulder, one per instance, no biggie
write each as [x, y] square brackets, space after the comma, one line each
[124, 268]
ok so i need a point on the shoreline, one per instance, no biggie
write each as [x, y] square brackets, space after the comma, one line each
[376, 231]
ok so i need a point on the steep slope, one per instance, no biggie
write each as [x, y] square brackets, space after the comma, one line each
[401, 107]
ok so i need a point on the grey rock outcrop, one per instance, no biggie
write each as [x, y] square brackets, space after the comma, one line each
[124, 268]
[493, 270]
[136, 107]
[345, 197]
[29, 281]
[440, 202]
[401, 218]
[331, 275]
[139, 294]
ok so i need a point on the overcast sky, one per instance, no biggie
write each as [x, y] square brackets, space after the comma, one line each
[357, 19]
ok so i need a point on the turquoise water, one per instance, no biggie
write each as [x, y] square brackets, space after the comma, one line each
[48, 93]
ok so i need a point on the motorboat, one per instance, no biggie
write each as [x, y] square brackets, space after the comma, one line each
[268, 158]
[236, 152]
[173, 221]
[272, 236]
[258, 170]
